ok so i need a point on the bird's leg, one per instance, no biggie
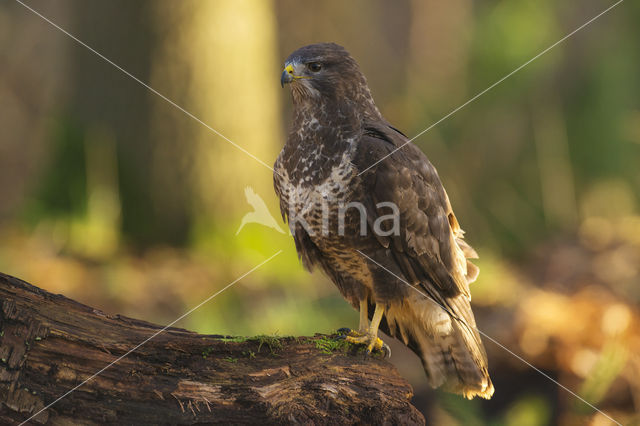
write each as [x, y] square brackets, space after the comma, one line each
[364, 316]
[370, 338]
[363, 327]
[375, 341]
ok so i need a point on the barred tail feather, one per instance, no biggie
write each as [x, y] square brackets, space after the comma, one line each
[452, 353]
[466, 364]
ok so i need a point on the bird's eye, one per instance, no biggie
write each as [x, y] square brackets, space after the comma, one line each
[314, 66]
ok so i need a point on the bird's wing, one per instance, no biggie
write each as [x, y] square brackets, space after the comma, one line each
[429, 244]
[432, 256]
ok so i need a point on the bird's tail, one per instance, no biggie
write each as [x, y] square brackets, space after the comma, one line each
[451, 350]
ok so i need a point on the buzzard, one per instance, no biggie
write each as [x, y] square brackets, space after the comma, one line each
[383, 231]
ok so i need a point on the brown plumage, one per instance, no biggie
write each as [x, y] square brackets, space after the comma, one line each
[337, 134]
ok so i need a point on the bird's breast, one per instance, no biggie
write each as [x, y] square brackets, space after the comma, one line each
[317, 197]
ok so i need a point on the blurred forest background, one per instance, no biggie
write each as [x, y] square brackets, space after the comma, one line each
[113, 197]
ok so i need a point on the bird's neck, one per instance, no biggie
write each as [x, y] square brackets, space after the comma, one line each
[332, 118]
[348, 106]
[324, 128]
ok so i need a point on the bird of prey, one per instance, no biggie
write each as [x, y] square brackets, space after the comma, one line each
[405, 265]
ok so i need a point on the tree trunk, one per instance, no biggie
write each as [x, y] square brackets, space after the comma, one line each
[49, 344]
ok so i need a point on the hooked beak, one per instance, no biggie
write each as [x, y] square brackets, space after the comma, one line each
[287, 75]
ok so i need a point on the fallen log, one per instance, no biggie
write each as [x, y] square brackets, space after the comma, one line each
[50, 344]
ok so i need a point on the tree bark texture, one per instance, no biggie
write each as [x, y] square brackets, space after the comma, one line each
[49, 344]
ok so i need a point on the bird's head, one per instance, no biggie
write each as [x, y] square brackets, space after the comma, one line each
[324, 70]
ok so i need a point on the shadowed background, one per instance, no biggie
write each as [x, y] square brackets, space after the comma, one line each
[113, 197]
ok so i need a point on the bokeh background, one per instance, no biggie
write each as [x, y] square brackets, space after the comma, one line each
[114, 197]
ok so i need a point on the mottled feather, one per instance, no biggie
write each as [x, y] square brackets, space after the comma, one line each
[337, 133]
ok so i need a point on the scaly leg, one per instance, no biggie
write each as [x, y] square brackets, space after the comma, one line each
[364, 316]
[370, 338]
[363, 327]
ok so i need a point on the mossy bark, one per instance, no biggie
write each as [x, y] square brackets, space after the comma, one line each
[49, 344]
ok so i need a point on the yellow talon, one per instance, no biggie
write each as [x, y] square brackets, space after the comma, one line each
[357, 338]
[370, 337]
[376, 344]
